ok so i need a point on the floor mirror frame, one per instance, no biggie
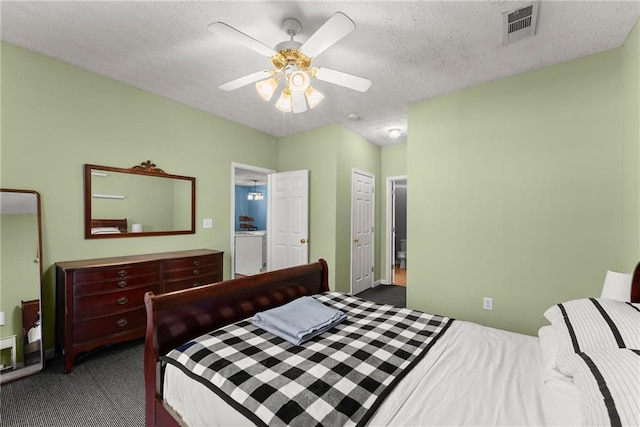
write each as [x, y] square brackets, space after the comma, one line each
[24, 341]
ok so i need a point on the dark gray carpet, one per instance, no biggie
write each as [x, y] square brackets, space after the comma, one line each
[105, 389]
[386, 294]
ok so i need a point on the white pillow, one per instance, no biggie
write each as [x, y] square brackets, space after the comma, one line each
[594, 323]
[617, 286]
[608, 385]
[105, 230]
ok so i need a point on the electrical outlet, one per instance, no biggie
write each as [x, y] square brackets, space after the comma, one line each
[207, 223]
[487, 303]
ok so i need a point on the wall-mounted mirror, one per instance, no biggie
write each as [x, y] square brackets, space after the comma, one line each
[141, 201]
[21, 341]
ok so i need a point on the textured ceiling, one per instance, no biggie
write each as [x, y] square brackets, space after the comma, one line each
[411, 50]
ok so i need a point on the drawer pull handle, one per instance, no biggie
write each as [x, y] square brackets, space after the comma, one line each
[196, 272]
[122, 322]
[122, 283]
[195, 285]
[122, 273]
[122, 300]
[196, 263]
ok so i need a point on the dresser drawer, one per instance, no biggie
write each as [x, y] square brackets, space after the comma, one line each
[114, 285]
[99, 274]
[178, 285]
[110, 325]
[193, 262]
[108, 303]
[186, 273]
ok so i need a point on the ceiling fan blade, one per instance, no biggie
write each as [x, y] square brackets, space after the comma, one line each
[224, 30]
[336, 27]
[298, 102]
[342, 79]
[243, 81]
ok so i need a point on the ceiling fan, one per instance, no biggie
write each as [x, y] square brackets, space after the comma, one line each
[292, 62]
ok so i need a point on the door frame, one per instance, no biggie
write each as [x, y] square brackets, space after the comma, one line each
[390, 231]
[373, 233]
[234, 166]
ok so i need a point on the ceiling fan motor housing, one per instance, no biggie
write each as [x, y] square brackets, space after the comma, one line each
[288, 56]
[289, 50]
[291, 26]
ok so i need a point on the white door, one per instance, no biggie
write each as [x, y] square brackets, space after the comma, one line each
[362, 204]
[288, 219]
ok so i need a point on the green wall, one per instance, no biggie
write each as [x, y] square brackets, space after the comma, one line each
[630, 154]
[394, 160]
[330, 153]
[316, 150]
[515, 191]
[354, 152]
[57, 117]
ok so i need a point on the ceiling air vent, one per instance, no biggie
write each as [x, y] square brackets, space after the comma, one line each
[520, 23]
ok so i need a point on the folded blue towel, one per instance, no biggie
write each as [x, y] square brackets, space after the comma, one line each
[300, 320]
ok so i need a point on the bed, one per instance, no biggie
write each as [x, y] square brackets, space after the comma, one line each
[461, 373]
[108, 226]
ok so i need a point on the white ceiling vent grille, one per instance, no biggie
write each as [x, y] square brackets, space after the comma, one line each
[520, 23]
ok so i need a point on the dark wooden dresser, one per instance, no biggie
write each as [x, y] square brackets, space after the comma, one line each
[101, 301]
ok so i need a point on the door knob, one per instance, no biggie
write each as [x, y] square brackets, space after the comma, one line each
[303, 241]
[356, 240]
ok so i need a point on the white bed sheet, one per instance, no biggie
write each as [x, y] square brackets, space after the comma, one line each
[445, 388]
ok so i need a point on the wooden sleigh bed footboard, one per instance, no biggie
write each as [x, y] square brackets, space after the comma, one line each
[177, 317]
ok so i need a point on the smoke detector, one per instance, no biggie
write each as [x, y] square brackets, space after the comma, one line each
[520, 23]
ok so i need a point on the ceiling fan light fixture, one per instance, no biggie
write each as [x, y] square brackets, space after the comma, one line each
[292, 61]
[284, 102]
[313, 96]
[299, 81]
[266, 88]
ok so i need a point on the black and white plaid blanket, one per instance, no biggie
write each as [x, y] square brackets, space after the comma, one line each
[339, 377]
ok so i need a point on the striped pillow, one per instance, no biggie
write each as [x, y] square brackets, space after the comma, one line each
[594, 323]
[608, 382]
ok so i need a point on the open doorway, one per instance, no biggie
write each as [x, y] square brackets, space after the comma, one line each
[397, 259]
[249, 212]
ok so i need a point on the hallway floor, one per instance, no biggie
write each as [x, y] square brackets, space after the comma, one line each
[400, 276]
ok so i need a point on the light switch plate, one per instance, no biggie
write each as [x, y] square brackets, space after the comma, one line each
[207, 223]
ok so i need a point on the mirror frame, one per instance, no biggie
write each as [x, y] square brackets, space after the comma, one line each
[145, 169]
[32, 369]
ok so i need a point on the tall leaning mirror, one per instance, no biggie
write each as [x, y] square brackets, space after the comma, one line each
[21, 341]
